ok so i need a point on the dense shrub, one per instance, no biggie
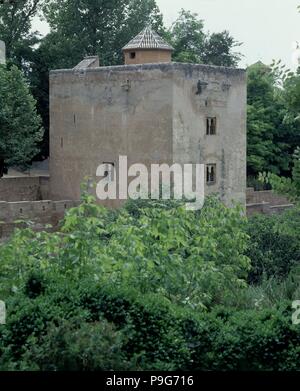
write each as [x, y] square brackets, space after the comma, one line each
[274, 246]
[111, 328]
[146, 288]
[194, 259]
[75, 345]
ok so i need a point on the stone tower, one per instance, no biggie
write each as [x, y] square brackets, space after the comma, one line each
[147, 47]
[153, 112]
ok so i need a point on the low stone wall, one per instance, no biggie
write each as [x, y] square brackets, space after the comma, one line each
[13, 189]
[266, 202]
[39, 213]
[257, 197]
[266, 208]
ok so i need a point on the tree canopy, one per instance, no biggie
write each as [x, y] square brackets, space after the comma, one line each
[273, 128]
[20, 125]
[193, 44]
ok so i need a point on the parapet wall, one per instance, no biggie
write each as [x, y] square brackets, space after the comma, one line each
[265, 196]
[13, 189]
[39, 213]
[266, 202]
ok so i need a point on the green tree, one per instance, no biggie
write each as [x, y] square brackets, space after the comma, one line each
[193, 45]
[15, 26]
[292, 99]
[80, 28]
[90, 27]
[20, 125]
[218, 50]
[269, 137]
[286, 186]
[187, 37]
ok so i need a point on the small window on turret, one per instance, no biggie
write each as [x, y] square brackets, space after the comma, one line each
[132, 55]
[211, 126]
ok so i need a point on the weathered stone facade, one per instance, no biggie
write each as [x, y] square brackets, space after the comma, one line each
[266, 202]
[24, 188]
[152, 113]
[39, 214]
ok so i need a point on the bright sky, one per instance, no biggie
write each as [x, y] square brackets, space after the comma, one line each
[267, 28]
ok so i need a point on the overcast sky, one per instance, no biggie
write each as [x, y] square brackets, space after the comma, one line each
[267, 28]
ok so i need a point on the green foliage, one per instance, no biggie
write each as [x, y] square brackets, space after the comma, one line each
[270, 137]
[16, 17]
[74, 345]
[193, 45]
[90, 326]
[269, 292]
[141, 288]
[189, 258]
[91, 27]
[286, 186]
[218, 50]
[274, 247]
[20, 125]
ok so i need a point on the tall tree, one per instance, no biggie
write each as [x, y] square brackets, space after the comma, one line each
[89, 27]
[218, 50]
[268, 133]
[20, 125]
[192, 44]
[85, 27]
[15, 26]
[286, 186]
[187, 37]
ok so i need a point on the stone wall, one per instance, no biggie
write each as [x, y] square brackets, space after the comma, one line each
[151, 113]
[201, 92]
[24, 188]
[265, 196]
[266, 202]
[38, 213]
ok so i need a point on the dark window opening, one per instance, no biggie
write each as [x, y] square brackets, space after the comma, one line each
[109, 171]
[211, 174]
[132, 55]
[211, 126]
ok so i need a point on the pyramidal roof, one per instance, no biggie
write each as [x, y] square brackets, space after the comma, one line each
[148, 39]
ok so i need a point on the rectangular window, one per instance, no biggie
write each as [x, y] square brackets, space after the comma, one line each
[109, 171]
[211, 171]
[211, 126]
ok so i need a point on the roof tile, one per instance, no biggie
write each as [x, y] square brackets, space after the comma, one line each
[148, 39]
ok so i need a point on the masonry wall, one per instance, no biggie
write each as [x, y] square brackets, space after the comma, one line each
[99, 114]
[265, 196]
[151, 113]
[38, 213]
[24, 188]
[266, 202]
[205, 91]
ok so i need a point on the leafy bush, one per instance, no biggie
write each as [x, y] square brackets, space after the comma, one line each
[90, 327]
[74, 345]
[20, 125]
[190, 258]
[274, 246]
